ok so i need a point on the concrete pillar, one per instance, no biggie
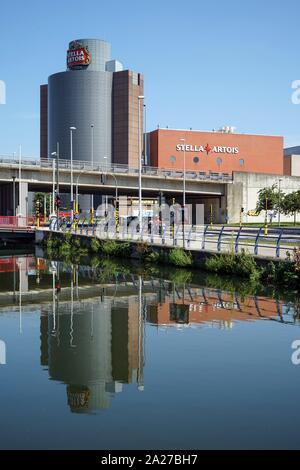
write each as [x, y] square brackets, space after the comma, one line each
[23, 202]
[234, 202]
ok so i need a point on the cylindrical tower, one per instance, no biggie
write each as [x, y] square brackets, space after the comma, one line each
[81, 97]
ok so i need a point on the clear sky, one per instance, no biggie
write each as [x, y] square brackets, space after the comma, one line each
[206, 63]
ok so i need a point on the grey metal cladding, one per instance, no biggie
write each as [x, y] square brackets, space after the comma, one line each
[100, 52]
[80, 98]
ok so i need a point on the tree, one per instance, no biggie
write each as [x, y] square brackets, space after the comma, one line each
[291, 204]
[40, 198]
[270, 198]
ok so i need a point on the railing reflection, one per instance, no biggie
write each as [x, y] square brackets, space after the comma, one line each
[92, 322]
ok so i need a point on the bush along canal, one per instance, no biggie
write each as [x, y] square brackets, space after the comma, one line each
[284, 274]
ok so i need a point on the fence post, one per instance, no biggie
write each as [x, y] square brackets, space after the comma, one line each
[278, 243]
[189, 237]
[220, 238]
[237, 240]
[257, 240]
[164, 236]
[204, 236]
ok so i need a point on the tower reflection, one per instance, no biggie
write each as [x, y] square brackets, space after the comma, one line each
[93, 347]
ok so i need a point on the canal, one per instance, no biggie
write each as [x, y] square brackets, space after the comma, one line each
[103, 355]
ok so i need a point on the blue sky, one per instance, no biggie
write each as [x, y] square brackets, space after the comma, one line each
[206, 64]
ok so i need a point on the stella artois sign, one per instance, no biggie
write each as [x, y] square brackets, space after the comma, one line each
[77, 56]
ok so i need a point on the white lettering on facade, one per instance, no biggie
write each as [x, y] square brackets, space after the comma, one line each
[201, 148]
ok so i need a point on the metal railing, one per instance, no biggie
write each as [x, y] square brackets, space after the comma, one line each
[147, 171]
[276, 244]
[17, 222]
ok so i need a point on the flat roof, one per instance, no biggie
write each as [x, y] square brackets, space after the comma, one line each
[213, 132]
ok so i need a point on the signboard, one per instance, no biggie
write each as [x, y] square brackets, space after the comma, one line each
[207, 149]
[78, 56]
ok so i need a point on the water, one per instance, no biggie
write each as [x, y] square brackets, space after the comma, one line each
[111, 358]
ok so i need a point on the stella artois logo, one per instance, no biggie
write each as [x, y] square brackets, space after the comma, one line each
[78, 56]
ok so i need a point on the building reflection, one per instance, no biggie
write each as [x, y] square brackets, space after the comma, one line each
[92, 322]
[206, 306]
[94, 348]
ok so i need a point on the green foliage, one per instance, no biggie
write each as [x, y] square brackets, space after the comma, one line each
[95, 245]
[285, 273]
[181, 276]
[291, 204]
[41, 198]
[113, 248]
[179, 257]
[270, 198]
[153, 257]
[232, 284]
[241, 264]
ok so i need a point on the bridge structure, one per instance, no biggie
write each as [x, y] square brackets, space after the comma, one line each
[40, 175]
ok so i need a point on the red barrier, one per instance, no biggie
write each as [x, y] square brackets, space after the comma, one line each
[16, 221]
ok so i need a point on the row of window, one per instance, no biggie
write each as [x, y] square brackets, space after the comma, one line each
[219, 160]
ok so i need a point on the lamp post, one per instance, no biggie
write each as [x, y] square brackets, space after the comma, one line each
[53, 154]
[56, 156]
[72, 128]
[20, 183]
[76, 197]
[145, 137]
[140, 97]
[183, 221]
[92, 160]
[279, 200]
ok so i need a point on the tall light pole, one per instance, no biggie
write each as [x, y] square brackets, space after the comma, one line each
[20, 183]
[72, 128]
[140, 97]
[92, 159]
[279, 200]
[183, 221]
[145, 137]
[53, 154]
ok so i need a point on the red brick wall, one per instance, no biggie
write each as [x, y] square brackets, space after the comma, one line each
[261, 154]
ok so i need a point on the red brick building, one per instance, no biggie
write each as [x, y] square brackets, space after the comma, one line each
[219, 151]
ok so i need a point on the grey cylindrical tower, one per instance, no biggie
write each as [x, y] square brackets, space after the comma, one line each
[82, 97]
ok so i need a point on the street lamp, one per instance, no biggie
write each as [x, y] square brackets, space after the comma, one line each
[55, 155]
[20, 183]
[140, 97]
[92, 160]
[76, 196]
[279, 200]
[183, 221]
[72, 128]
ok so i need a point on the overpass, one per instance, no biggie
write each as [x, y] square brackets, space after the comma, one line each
[38, 174]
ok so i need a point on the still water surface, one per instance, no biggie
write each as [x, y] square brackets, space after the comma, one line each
[129, 361]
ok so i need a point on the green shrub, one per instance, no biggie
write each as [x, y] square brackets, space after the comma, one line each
[181, 276]
[241, 264]
[152, 257]
[65, 249]
[179, 257]
[95, 245]
[113, 248]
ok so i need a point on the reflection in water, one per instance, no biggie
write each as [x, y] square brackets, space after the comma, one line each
[92, 328]
[93, 347]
